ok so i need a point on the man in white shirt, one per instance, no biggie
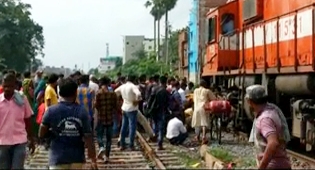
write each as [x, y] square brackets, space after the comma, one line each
[182, 92]
[176, 132]
[92, 84]
[131, 96]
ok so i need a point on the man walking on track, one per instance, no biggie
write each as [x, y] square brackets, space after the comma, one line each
[106, 104]
[69, 124]
[15, 123]
[157, 108]
[86, 97]
[131, 97]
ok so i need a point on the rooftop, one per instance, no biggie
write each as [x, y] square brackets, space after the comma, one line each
[110, 58]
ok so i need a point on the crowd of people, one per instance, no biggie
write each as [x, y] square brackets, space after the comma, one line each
[67, 113]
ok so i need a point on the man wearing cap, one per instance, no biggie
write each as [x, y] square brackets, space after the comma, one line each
[38, 77]
[270, 131]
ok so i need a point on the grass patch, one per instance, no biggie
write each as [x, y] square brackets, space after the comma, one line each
[222, 154]
[247, 163]
[227, 157]
[187, 160]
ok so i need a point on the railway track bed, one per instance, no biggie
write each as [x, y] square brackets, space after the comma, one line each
[146, 156]
[299, 161]
[239, 149]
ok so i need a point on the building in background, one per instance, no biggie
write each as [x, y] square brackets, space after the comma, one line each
[57, 70]
[193, 42]
[134, 43]
[198, 31]
[108, 63]
[182, 70]
[148, 44]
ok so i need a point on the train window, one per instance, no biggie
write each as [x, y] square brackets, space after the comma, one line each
[227, 24]
[211, 29]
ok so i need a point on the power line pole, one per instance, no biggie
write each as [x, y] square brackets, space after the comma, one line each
[107, 49]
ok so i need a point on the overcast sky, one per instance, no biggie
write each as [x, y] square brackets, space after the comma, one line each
[76, 31]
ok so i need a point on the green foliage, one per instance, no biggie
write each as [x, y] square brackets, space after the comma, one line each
[156, 9]
[222, 154]
[169, 4]
[173, 46]
[36, 64]
[160, 7]
[143, 63]
[119, 62]
[95, 72]
[21, 38]
[247, 162]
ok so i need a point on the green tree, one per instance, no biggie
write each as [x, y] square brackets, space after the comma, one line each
[36, 64]
[143, 63]
[157, 12]
[94, 71]
[168, 5]
[158, 9]
[21, 38]
[118, 62]
[172, 46]
[91, 71]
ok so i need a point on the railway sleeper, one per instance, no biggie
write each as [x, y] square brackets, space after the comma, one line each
[120, 159]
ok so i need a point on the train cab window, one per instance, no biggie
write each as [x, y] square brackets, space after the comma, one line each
[211, 29]
[227, 24]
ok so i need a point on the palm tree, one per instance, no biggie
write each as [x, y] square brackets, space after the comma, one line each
[148, 4]
[168, 5]
[157, 12]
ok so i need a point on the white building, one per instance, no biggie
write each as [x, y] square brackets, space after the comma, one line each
[58, 70]
[107, 63]
[134, 43]
[148, 44]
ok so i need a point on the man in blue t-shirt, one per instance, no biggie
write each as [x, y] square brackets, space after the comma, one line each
[67, 123]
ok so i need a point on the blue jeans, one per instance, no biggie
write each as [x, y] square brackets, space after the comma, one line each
[158, 128]
[129, 118]
[115, 125]
[12, 156]
[108, 130]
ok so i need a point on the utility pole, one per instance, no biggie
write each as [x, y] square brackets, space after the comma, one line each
[107, 50]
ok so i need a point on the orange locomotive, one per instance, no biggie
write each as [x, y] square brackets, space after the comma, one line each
[268, 42]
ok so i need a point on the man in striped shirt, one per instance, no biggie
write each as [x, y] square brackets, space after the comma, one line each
[86, 96]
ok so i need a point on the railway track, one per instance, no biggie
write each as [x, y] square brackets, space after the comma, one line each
[146, 157]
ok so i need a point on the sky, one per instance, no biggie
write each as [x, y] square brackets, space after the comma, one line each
[76, 31]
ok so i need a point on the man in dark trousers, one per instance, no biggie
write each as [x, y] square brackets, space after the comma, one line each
[158, 108]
